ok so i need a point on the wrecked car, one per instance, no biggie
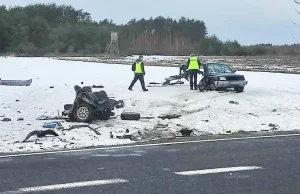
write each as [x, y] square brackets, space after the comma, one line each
[219, 76]
[174, 79]
[89, 105]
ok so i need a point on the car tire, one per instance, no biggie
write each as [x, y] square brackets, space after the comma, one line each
[83, 113]
[201, 87]
[130, 116]
[239, 89]
[211, 87]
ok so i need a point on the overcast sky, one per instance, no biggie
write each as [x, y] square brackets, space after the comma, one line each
[248, 21]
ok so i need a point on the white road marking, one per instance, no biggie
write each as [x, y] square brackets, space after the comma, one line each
[166, 169]
[173, 150]
[147, 145]
[5, 160]
[140, 151]
[49, 158]
[114, 155]
[122, 155]
[218, 170]
[72, 185]
[100, 155]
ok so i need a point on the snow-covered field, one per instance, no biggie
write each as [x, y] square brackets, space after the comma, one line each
[268, 99]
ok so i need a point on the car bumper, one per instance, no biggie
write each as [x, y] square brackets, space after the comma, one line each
[230, 84]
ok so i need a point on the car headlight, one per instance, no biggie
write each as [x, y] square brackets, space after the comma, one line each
[222, 78]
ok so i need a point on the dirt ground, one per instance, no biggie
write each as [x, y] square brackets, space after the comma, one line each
[275, 64]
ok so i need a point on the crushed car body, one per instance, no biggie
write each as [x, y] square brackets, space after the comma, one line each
[89, 105]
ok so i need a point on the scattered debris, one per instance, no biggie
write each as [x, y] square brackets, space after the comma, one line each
[21, 119]
[274, 110]
[95, 130]
[297, 108]
[17, 100]
[242, 132]
[84, 126]
[169, 116]
[229, 131]
[40, 133]
[77, 127]
[94, 86]
[126, 136]
[253, 114]
[186, 132]
[18, 111]
[233, 102]
[2, 115]
[45, 118]
[51, 87]
[160, 125]
[194, 110]
[52, 125]
[274, 127]
[136, 137]
[16, 82]
[6, 119]
[148, 117]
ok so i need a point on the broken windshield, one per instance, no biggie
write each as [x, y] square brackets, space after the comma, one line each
[215, 68]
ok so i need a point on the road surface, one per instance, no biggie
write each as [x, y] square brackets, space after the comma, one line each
[258, 166]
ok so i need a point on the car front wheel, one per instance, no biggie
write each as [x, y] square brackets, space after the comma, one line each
[83, 113]
[239, 89]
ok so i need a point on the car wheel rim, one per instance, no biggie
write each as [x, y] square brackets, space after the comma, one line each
[83, 113]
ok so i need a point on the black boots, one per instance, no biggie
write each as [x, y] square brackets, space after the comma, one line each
[145, 90]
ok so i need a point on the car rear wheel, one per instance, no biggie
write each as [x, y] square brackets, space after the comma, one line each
[239, 89]
[83, 113]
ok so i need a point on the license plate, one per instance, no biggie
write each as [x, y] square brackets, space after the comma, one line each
[235, 83]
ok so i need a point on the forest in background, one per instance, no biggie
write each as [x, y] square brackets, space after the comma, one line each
[60, 30]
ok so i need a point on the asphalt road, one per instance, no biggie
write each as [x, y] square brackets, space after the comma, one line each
[258, 166]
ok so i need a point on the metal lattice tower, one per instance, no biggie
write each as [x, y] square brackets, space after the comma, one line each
[112, 48]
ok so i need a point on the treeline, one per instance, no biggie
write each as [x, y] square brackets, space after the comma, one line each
[50, 29]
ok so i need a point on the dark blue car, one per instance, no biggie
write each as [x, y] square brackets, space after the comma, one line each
[218, 76]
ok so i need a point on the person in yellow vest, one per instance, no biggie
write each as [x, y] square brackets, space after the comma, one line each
[193, 65]
[139, 72]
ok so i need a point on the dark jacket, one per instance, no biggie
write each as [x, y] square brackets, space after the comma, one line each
[142, 66]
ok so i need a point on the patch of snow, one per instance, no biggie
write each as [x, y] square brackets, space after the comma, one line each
[208, 112]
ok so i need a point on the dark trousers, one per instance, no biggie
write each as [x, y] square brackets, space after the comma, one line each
[193, 78]
[138, 77]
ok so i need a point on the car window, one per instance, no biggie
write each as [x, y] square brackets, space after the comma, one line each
[218, 68]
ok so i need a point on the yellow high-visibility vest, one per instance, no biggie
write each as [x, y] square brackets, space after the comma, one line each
[138, 67]
[193, 63]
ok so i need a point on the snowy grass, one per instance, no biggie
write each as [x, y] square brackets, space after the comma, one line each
[255, 111]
